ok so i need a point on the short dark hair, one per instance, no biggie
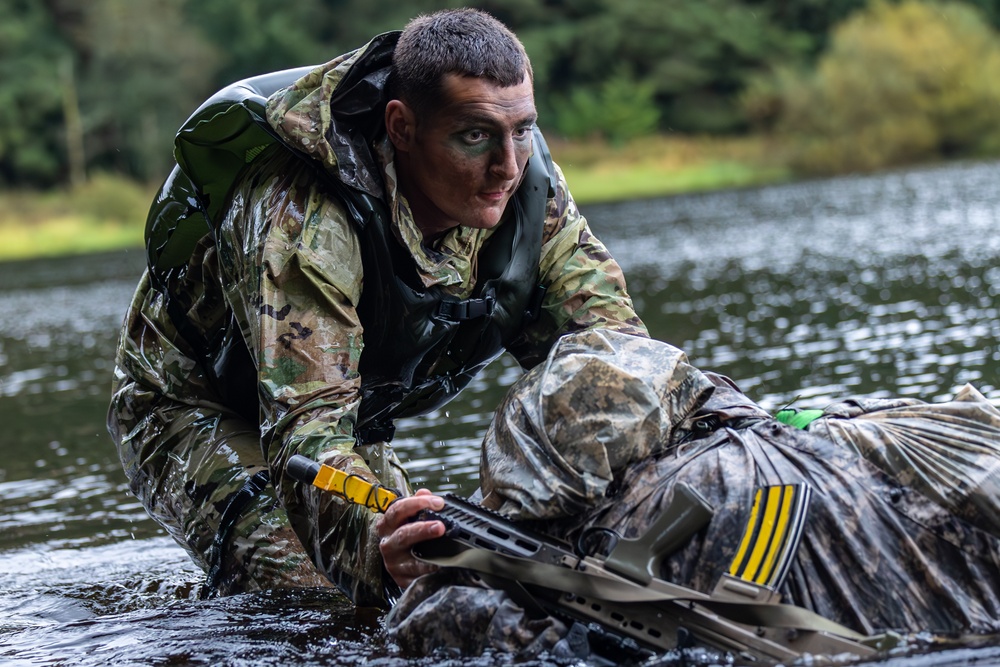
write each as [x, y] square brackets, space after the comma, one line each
[468, 42]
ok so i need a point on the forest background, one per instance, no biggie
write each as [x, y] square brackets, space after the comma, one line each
[637, 97]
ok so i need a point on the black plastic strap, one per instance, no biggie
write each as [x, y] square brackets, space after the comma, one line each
[227, 523]
[534, 308]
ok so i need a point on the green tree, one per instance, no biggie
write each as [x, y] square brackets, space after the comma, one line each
[144, 72]
[815, 19]
[990, 10]
[256, 36]
[811, 20]
[619, 109]
[32, 138]
[137, 68]
[140, 70]
[696, 56]
[354, 22]
[900, 82]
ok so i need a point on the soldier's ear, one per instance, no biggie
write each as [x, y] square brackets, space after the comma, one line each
[400, 125]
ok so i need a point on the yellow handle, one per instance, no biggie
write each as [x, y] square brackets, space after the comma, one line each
[350, 487]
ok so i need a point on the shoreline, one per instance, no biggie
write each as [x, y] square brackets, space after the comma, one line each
[109, 213]
[66, 234]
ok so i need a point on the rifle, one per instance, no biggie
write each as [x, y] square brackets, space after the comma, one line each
[621, 599]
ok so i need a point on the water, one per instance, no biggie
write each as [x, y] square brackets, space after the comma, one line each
[802, 293]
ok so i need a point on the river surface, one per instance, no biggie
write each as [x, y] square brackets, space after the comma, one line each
[803, 294]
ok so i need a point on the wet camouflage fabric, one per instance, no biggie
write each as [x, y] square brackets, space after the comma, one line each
[472, 619]
[186, 457]
[879, 552]
[284, 275]
[559, 445]
[948, 454]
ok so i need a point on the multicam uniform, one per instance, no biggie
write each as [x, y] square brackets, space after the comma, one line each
[283, 274]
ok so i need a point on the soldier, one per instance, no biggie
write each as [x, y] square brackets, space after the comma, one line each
[900, 531]
[353, 249]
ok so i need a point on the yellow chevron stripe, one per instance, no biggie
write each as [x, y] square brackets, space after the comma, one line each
[764, 534]
[747, 534]
[770, 536]
[787, 494]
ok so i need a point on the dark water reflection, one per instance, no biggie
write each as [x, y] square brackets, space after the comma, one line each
[803, 294]
[871, 285]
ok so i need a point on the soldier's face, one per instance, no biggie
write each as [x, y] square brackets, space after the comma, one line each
[463, 163]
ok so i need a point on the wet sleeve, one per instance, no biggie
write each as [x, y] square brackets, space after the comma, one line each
[301, 251]
[585, 287]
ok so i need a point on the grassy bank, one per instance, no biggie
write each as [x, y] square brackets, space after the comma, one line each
[666, 165]
[109, 212]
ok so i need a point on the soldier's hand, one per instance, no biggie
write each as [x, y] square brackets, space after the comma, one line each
[398, 533]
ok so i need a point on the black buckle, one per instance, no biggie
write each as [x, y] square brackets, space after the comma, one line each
[469, 309]
[372, 433]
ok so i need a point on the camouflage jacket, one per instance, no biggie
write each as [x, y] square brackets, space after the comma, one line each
[284, 274]
[900, 532]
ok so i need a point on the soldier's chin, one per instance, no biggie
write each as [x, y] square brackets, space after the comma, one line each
[483, 221]
[493, 217]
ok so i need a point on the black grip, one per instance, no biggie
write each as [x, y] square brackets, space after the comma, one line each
[474, 526]
[302, 468]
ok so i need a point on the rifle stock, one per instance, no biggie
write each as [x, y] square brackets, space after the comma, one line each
[622, 598]
[631, 602]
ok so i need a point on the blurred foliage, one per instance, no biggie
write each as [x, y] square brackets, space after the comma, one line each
[665, 164]
[813, 20]
[618, 109]
[102, 85]
[30, 100]
[105, 197]
[899, 83]
[695, 56]
[105, 213]
[143, 71]
[255, 36]
[108, 198]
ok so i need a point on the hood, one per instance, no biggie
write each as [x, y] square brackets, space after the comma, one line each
[568, 428]
[335, 112]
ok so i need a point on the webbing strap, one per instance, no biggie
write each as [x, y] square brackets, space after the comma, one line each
[612, 589]
[469, 309]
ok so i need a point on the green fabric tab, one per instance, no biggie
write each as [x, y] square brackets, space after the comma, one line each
[798, 418]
